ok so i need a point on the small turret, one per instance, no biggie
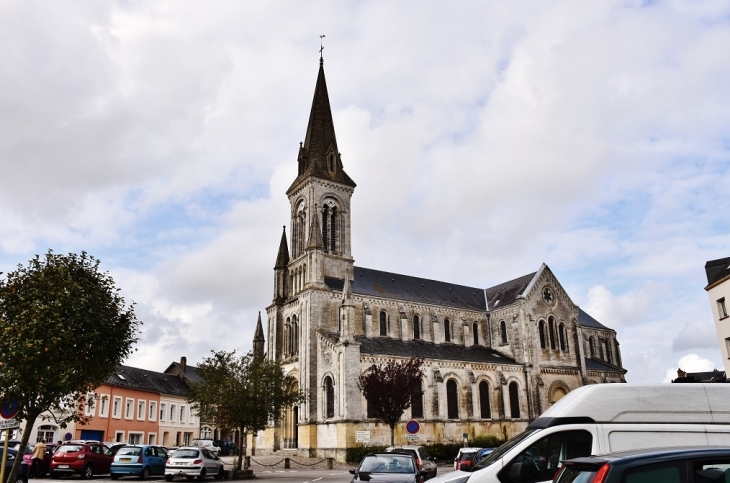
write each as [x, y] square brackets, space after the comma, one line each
[258, 341]
[281, 290]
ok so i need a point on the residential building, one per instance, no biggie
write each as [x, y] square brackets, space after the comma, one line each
[718, 289]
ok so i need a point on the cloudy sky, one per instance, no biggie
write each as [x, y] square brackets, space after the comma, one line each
[485, 137]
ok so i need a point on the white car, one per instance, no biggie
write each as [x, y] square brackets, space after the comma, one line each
[192, 462]
[207, 444]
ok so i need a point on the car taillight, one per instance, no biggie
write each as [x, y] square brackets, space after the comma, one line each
[81, 456]
[418, 462]
[601, 474]
[197, 462]
[168, 461]
[139, 460]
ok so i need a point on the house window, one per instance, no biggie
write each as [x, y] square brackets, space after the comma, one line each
[452, 399]
[182, 414]
[551, 329]
[329, 390]
[447, 330]
[503, 332]
[543, 343]
[46, 433]
[129, 409]
[484, 406]
[206, 433]
[141, 408]
[416, 401]
[152, 438]
[90, 404]
[475, 328]
[117, 407]
[104, 406]
[173, 413]
[514, 401]
[163, 412]
[135, 438]
[416, 327]
[153, 410]
[721, 309]
[383, 323]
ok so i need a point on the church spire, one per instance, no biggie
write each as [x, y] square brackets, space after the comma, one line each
[258, 341]
[318, 156]
[282, 259]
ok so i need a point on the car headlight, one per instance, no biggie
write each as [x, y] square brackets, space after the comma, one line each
[462, 479]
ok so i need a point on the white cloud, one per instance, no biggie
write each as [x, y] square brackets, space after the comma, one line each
[690, 363]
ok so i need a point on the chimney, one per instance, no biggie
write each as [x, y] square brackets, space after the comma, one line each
[184, 364]
[681, 373]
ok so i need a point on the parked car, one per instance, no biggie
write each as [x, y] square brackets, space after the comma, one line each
[207, 444]
[388, 468]
[28, 456]
[81, 458]
[424, 460]
[666, 465]
[465, 456]
[193, 462]
[114, 447]
[24, 467]
[227, 447]
[142, 461]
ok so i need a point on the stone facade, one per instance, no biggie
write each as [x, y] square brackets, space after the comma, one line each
[495, 358]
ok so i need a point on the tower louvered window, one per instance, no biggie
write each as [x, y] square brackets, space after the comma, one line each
[329, 226]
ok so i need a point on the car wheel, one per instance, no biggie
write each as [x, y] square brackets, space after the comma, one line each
[201, 476]
[145, 473]
[168, 477]
[55, 476]
[220, 475]
[88, 473]
[114, 477]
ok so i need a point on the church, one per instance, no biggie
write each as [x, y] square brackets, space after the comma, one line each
[494, 357]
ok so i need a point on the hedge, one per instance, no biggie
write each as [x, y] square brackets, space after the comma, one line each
[440, 451]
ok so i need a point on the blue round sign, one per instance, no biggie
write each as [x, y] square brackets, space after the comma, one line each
[9, 409]
[413, 426]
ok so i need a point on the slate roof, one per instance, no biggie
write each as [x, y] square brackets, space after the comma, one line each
[585, 320]
[150, 381]
[714, 376]
[410, 348]
[717, 270]
[375, 283]
[506, 293]
[191, 372]
[595, 365]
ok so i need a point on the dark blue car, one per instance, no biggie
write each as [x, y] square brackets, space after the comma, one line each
[136, 460]
[22, 474]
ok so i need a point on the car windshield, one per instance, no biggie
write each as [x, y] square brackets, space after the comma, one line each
[575, 474]
[186, 453]
[130, 450]
[499, 452]
[387, 464]
[29, 449]
[69, 448]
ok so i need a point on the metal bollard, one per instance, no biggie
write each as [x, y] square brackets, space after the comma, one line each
[246, 462]
[330, 463]
[286, 464]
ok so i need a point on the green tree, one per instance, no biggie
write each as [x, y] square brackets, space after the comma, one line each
[389, 390]
[63, 329]
[241, 392]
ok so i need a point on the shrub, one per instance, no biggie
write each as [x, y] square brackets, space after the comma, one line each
[486, 441]
[356, 454]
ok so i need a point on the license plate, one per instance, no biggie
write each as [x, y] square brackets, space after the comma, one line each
[125, 460]
[63, 466]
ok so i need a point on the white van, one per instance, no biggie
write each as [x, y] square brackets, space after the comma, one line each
[603, 418]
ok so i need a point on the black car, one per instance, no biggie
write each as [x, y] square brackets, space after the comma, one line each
[387, 468]
[22, 473]
[707, 464]
[228, 447]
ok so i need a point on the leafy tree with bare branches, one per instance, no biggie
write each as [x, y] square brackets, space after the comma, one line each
[241, 392]
[389, 389]
[64, 328]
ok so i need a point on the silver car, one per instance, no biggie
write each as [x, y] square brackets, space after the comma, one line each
[426, 463]
[192, 462]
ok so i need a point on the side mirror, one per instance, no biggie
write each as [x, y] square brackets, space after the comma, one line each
[352, 472]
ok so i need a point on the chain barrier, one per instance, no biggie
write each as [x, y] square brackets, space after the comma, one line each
[291, 461]
[264, 464]
[313, 464]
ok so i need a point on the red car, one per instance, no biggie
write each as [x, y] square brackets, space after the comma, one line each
[81, 458]
[28, 456]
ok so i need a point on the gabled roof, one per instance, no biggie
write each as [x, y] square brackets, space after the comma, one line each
[430, 350]
[585, 320]
[506, 293]
[150, 381]
[716, 271]
[190, 373]
[376, 283]
[595, 365]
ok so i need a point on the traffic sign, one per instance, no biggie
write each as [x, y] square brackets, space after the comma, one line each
[9, 409]
[9, 424]
[413, 426]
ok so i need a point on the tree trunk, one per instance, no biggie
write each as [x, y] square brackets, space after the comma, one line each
[241, 438]
[29, 422]
[392, 434]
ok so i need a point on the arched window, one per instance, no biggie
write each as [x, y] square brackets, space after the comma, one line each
[447, 330]
[416, 327]
[541, 327]
[287, 332]
[383, 323]
[484, 406]
[329, 390]
[514, 401]
[329, 226]
[503, 332]
[452, 400]
[618, 354]
[295, 338]
[563, 338]
[551, 328]
[591, 347]
[416, 401]
[475, 329]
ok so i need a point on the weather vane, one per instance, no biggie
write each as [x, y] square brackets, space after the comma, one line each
[321, 46]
